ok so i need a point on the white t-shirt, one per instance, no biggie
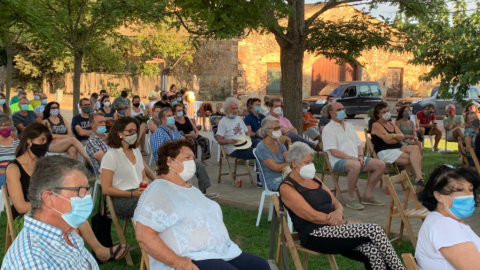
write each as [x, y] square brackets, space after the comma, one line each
[126, 175]
[438, 231]
[190, 224]
[231, 129]
[96, 106]
[335, 137]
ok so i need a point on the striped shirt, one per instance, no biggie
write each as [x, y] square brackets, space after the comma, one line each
[7, 153]
[161, 135]
[94, 145]
[41, 246]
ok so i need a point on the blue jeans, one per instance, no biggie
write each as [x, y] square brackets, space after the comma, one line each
[243, 262]
[246, 154]
[297, 138]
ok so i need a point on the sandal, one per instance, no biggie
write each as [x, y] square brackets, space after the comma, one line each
[420, 183]
[113, 254]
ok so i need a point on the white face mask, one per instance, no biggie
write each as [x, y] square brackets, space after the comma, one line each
[131, 139]
[189, 170]
[277, 110]
[308, 171]
[276, 134]
[387, 116]
[106, 104]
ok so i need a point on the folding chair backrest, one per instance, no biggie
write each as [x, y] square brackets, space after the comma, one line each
[369, 145]
[10, 231]
[410, 262]
[462, 151]
[410, 190]
[475, 159]
[145, 261]
[262, 178]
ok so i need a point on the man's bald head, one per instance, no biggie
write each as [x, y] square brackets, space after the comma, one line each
[336, 107]
[157, 87]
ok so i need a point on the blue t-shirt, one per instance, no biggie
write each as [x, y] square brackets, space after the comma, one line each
[272, 178]
[253, 121]
[84, 123]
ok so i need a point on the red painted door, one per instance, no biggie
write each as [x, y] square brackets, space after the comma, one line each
[325, 71]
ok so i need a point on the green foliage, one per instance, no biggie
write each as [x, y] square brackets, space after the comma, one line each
[449, 43]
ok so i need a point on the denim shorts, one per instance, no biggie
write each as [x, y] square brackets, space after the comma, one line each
[340, 165]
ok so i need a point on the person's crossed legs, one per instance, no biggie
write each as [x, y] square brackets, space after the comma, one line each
[438, 136]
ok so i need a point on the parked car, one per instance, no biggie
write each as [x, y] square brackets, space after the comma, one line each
[473, 95]
[357, 97]
[420, 93]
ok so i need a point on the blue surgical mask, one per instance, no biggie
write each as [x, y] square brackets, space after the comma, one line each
[44, 101]
[35, 96]
[304, 110]
[179, 99]
[170, 121]
[462, 207]
[341, 115]
[179, 114]
[258, 109]
[174, 102]
[231, 116]
[2, 101]
[81, 210]
[24, 107]
[101, 130]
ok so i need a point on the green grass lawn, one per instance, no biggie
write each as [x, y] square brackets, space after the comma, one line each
[255, 240]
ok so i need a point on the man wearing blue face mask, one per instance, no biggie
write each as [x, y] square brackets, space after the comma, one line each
[344, 149]
[96, 146]
[39, 109]
[165, 133]
[24, 117]
[253, 120]
[60, 202]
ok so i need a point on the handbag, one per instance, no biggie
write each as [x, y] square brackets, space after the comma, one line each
[102, 226]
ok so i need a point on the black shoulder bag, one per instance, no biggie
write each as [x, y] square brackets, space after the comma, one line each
[102, 226]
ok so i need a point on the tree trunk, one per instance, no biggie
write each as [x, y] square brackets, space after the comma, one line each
[8, 81]
[291, 62]
[77, 72]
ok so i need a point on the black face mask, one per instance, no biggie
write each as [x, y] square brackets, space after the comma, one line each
[136, 104]
[39, 150]
[164, 97]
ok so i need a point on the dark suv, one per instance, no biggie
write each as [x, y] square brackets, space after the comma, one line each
[357, 97]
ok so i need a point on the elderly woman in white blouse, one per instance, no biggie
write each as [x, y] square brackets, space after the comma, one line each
[179, 227]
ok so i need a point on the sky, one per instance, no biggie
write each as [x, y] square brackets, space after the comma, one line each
[389, 11]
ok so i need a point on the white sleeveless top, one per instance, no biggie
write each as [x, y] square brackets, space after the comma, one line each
[133, 113]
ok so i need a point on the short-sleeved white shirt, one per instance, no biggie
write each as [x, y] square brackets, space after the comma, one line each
[126, 175]
[231, 129]
[439, 231]
[190, 224]
[335, 137]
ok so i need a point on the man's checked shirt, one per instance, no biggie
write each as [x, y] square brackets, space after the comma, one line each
[41, 246]
[160, 136]
[95, 144]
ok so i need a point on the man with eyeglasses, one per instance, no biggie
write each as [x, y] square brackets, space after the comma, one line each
[81, 122]
[345, 153]
[60, 202]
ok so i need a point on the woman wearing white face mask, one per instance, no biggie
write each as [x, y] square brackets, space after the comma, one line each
[444, 240]
[122, 169]
[387, 141]
[178, 226]
[271, 152]
[317, 216]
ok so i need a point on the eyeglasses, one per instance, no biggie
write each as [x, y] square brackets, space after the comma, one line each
[276, 128]
[131, 131]
[82, 191]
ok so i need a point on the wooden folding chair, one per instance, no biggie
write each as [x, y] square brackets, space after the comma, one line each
[10, 231]
[233, 175]
[463, 152]
[145, 262]
[399, 210]
[292, 241]
[446, 141]
[119, 229]
[409, 261]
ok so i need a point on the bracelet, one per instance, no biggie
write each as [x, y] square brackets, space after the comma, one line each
[394, 135]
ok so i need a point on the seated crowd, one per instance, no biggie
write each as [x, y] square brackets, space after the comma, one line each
[177, 224]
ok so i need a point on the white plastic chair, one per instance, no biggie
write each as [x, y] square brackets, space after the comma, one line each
[151, 152]
[195, 106]
[269, 193]
[412, 118]
[218, 148]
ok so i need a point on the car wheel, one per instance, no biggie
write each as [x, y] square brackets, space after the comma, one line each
[351, 116]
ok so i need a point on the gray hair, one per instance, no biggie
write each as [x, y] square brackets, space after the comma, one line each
[21, 100]
[297, 151]
[50, 172]
[305, 103]
[265, 98]
[5, 119]
[273, 100]
[227, 103]
[449, 105]
[326, 111]
[92, 116]
[266, 125]
[162, 112]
